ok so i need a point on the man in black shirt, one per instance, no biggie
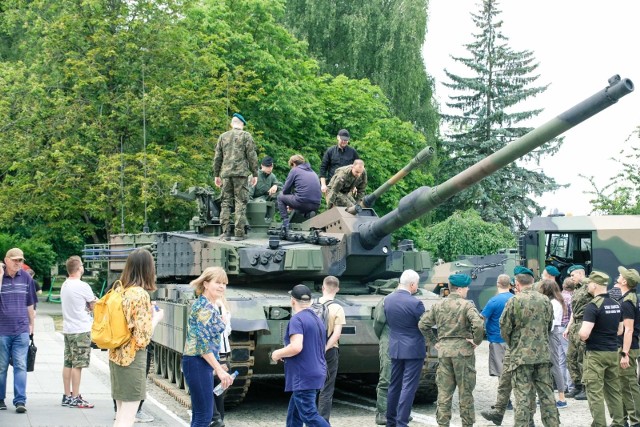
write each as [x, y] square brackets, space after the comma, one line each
[337, 156]
[626, 283]
[601, 325]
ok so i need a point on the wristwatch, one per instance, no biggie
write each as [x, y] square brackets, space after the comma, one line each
[623, 354]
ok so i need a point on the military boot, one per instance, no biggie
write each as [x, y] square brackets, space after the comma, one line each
[493, 416]
[582, 395]
[572, 393]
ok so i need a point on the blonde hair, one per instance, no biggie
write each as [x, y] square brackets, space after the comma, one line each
[73, 264]
[210, 274]
[296, 160]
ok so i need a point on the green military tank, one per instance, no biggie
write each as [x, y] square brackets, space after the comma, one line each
[355, 246]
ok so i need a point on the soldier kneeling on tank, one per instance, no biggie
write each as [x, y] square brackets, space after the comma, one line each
[347, 186]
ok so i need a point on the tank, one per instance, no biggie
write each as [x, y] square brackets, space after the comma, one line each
[354, 246]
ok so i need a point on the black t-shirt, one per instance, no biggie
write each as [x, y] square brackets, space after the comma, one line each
[606, 315]
[630, 310]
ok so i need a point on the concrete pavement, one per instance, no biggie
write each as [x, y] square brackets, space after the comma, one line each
[44, 389]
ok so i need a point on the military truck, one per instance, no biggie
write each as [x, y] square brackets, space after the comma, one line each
[355, 246]
[597, 242]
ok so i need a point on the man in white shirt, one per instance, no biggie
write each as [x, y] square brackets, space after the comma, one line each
[77, 303]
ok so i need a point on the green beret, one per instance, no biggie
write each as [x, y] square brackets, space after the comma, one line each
[630, 275]
[599, 278]
[553, 271]
[522, 270]
[239, 117]
[460, 280]
[574, 268]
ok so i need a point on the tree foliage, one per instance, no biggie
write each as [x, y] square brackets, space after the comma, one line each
[487, 120]
[378, 40]
[465, 233]
[621, 196]
[104, 104]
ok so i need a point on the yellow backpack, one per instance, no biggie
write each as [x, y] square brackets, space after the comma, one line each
[110, 328]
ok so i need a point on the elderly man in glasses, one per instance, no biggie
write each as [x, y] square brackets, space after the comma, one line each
[17, 316]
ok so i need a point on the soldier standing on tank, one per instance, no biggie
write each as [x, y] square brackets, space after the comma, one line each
[348, 185]
[602, 323]
[460, 331]
[627, 282]
[525, 325]
[268, 187]
[575, 350]
[336, 156]
[234, 161]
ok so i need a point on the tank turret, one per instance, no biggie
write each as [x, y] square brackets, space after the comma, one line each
[356, 248]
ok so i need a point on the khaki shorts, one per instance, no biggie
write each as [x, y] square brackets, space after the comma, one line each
[129, 383]
[77, 350]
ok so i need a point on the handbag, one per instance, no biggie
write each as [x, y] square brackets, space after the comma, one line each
[31, 355]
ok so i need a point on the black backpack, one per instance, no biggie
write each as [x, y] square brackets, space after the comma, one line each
[321, 309]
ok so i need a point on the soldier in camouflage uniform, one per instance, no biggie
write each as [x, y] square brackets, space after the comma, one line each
[630, 349]
[460, 331]
[381, 329]
[347, 186]
[575, 351]
[601, 325]
[234, 161]
[268, 187]
[525, 324]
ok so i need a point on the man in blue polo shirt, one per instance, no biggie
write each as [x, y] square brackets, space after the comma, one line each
[17, 316]
[491, 313]
[305, 368]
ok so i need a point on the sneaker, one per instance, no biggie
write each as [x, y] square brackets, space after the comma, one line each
[560, 404]
[143, 417]
[3, 406]
[66, 400]
[79, 402]
[20, 408]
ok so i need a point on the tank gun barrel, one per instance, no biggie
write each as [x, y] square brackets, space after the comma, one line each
[418, 160]
[425, 199]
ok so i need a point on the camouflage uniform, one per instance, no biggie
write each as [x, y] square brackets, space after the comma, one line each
[575, 351]
[339, 190]
[457, 320]
[628, 379]
[234, 161]
[381, 329]
[525, 324]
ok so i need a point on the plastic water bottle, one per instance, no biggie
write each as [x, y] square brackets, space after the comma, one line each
[218, 390]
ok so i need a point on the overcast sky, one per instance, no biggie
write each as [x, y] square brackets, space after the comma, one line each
[579, 45]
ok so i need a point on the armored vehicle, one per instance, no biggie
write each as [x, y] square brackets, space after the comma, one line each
[356, 247]
[598, 242]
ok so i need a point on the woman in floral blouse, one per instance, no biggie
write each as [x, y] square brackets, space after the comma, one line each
[127, 363]
[202, 345]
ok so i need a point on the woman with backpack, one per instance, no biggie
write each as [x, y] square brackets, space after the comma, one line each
[205, 332]
[127, 363]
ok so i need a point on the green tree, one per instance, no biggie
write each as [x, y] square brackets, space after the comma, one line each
[487, 119]
[377, 40]
[621, 196]
[465, 233]
[105, 104]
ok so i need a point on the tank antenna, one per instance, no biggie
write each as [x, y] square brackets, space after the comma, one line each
[145, 226]
[121, 185]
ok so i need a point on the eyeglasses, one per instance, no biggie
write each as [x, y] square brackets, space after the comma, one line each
[19, 260]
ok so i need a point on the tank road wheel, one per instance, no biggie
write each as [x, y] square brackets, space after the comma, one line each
[179, 375]
[428, 389]
[242, 360]
[171, 366]
[163, 362]
[157, 349]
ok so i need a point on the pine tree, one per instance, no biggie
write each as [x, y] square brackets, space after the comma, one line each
[488, 119]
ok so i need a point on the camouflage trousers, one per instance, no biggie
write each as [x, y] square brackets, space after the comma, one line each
[526, 380]
[575, 353]
[456, 372]
[335, 198]
[77, 350]
[600, 378]
[504, 388]
[630, 389]
[234, 192]
[385, 375]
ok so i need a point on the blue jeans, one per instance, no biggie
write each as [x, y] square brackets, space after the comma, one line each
[16, 347]
[199, 377]
[302, 409]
